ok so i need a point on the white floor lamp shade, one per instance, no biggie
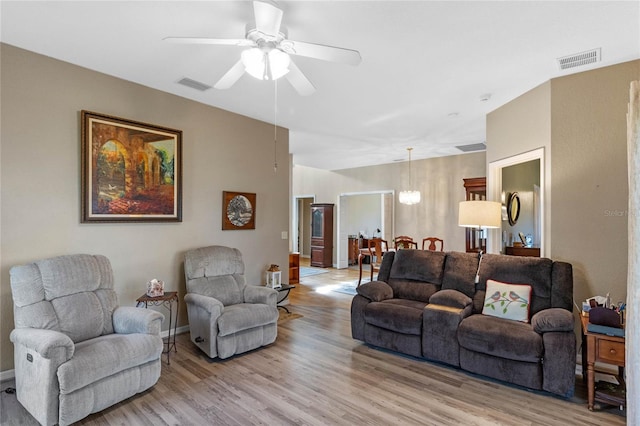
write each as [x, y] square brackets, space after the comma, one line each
[480, 214]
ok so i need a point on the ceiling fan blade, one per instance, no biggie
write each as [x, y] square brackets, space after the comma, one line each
[268, 17]
[230, 78]
[298, 80]
[323, 52]
[201, 40]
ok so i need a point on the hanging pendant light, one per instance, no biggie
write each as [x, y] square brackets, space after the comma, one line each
[409, 196]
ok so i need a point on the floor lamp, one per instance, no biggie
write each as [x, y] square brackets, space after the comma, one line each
[480, 215]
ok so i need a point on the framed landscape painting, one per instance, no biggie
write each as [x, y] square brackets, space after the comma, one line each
[131, 171]
[238, 210]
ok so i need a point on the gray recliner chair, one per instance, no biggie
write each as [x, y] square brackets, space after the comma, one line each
[226, 316]
[76, 351]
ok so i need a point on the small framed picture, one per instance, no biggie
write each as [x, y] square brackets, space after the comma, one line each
[238, 210]
[522, 238]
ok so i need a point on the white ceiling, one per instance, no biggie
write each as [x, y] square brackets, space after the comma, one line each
[425, 64]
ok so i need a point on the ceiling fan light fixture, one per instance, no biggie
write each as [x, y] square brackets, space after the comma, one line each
[265, 65]
[278, 63]
[254, 62]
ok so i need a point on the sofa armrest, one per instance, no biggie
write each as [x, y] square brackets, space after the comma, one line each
[129, 320]
[260, 294]
[376, 291]
[450, 298]
[213, 306]
[552, 319]
[45, 342]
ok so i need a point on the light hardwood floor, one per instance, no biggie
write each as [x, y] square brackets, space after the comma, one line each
[316, 374]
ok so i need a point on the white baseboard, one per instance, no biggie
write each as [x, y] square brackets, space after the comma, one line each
[11, 374]
[599, 367]
[7, 375]
[179, 330]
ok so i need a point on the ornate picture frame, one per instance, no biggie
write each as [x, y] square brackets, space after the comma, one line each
[513, 208]
[238, 210]
[131, 171]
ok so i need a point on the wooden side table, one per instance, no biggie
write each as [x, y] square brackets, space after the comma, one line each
[598, 347]
[169, 299]
[522, 251]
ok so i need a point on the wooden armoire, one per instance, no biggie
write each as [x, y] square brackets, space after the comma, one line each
[321, 235]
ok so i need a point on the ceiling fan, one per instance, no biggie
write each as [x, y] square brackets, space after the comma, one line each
[266, 56]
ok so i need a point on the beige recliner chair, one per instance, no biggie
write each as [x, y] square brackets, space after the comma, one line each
[76, 351]
[226, 316]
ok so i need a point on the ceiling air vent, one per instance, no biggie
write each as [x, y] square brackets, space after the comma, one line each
[472, 147]
[580, 59]
[194, 84]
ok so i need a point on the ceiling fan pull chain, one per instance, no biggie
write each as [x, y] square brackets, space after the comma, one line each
[275, 127]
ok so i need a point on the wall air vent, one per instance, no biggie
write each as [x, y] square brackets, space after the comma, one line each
[194, 84]
[580, 59]
[472, 147]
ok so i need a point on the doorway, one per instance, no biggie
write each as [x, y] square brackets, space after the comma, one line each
[367, 213]
[497, 190]
[301, 229]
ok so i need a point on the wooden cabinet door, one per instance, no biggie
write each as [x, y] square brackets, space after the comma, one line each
[321, 235]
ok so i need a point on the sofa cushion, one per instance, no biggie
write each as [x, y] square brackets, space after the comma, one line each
[199, 264]
[502, 338]
[376, 291]
[228, 289]
[413, 290]
[460, 272]
[418, 265]
[552, 320]
[399, 315]
[66, 275]
[533, 271]
[85, 306]
[244, 316]
[450, 298]
[416, 274]
[508, 301]
[105, 356]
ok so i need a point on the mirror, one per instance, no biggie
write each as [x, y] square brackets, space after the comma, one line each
[513, 208]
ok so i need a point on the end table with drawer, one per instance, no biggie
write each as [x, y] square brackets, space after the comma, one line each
[607, 349]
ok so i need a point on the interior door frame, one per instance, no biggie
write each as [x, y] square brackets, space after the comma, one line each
[341, 245]
[295, 223]
[494, 193]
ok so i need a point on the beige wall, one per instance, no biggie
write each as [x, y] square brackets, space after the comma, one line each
[364, 215]
[438, 179]
[520, 126]
[580, 121]
[590, 191]
[41, 101]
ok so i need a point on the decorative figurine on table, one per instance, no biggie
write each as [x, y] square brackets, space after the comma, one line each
[274, 276]
[155, 288]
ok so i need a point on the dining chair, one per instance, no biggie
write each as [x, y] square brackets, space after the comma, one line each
[433, 243]
[375, 250]
[404, 242]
